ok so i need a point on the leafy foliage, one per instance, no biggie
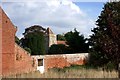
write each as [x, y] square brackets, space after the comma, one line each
[17, 40]
[57, 49]
[34, 39]
[76, 42]
[105, 42]
[61, 37]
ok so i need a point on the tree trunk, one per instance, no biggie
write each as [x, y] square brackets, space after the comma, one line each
[119, 70]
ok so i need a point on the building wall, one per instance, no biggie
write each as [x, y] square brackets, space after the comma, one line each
[62, 60]
[23, 61]
[8, 34]
[52, 39]
[8, 41]
[65, 60]
[0, 41]
[15, 60]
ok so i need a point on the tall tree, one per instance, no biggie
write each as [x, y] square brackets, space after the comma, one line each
[76, 42]
[34, 39]
[106, 38]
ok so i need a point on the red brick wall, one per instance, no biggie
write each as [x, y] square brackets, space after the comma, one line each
[8, 34]
[56, 61]
[64, 60]
[8, 41]
[15, 60]
[23, 61]
[7, 64]
[0, 41]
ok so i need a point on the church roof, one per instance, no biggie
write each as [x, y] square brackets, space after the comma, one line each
[49, 31]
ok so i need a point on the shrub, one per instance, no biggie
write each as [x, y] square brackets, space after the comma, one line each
[57, 49]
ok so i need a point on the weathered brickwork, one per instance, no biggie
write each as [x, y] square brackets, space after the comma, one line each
[23, 61]
[61, 60]
[8, 34]
[64, 60]
[0, 41]
[8, 41]
[15, 60]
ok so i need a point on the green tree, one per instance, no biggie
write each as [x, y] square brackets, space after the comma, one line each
[60, 37]
[57, 49]
[76, 42]
[105, 42]
[34, 39]
[17, 40]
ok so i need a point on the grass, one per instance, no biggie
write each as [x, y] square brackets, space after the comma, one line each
[71, 72]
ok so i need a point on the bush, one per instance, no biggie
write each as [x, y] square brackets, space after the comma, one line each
[57, 49]
[110, 66]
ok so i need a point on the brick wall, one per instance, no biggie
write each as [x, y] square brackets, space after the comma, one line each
[0, 41]
[8, 34]
[62, 60]
[23, 61]
[65, 60]
[15, 60]
[8, 41]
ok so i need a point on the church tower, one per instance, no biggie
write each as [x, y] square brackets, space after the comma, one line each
[50, 39]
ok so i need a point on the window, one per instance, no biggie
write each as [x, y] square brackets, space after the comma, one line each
[40, 62]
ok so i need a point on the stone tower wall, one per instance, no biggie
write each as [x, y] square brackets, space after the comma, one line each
[52, 39]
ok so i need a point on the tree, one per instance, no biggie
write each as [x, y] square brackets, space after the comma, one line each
[34, 39]
[17, 40]
[106, 38]
[57, 49]
[60, 37]
[76, 42]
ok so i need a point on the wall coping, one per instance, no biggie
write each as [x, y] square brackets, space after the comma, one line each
[62, 55]
[22, 49]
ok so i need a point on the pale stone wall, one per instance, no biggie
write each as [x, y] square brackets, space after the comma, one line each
[50, 39]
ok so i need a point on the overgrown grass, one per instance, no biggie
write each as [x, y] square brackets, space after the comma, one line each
[74, 71]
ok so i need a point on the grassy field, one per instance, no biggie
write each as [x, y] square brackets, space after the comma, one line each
[70, 72]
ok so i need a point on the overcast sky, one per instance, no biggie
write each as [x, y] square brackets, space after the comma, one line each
[60, 15]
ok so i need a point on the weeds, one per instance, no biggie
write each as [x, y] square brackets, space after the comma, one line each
[74, 71]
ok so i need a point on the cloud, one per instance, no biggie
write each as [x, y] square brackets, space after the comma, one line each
[61, 15]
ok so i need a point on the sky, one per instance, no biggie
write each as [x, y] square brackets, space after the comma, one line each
[60, 15]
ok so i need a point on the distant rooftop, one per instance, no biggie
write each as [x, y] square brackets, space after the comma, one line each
[62, 42]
